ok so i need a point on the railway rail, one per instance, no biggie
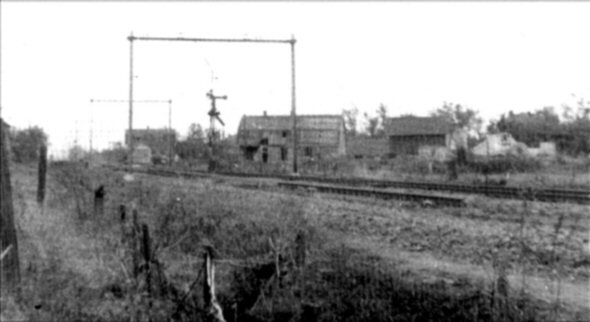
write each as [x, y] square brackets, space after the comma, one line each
[425, 199]
[495, 191]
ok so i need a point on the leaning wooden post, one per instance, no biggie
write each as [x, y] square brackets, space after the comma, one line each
[213, 310]
[41, 174]
[133, 244]
[300, 254]
[146, 250]
[9, 266]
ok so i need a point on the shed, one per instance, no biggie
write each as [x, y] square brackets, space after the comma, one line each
[407, 134]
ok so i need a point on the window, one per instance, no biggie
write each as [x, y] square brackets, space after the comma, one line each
[283, 154]
[284, 134]
[307, 151]
[265, 155]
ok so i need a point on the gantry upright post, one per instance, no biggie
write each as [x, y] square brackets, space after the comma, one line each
[130, 135]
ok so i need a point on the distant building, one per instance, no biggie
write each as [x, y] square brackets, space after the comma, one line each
[364, 147]
[269, 139]
[545, 149]
[142, 154]
[499, 144]
[160, 141]
[407, 134]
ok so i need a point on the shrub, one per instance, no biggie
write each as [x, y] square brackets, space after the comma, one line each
[504, 164]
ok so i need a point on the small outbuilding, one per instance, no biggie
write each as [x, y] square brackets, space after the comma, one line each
[142, 154]
[407, 134]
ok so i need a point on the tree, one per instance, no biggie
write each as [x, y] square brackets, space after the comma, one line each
[350, 121]
[572, 135]
[382, 114]
[25, 143]
[195, 133]
[577, 127]
[460, 116]
[376, 124]
[76, 153]
[372, 125]
[194, 146]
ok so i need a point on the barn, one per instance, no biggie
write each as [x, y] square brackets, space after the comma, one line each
[269, 138]
[407, 134]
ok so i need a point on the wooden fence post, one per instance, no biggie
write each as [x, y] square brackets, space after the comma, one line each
[300, 249]
[134, 243]
[300, 256]
[213, 310]
[42, 174]
[9, 267]
[122, 213]
[99, 201]
[146, 250]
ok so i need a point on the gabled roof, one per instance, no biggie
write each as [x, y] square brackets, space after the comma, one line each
[284, 122]
[414, 125]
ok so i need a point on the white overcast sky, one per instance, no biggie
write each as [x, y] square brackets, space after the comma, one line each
[412, 57]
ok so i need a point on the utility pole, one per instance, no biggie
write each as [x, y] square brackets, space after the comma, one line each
[293, 106]
[170, 132]
[130, 143]
[228, 40]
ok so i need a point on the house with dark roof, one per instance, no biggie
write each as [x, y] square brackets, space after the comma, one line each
[407, 134]
[269, 138]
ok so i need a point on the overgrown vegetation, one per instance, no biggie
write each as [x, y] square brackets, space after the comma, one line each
[76, 267]
[25, 143]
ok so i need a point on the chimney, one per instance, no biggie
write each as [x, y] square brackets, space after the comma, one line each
[264, 113]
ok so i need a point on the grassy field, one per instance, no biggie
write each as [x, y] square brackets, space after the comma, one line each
[365, 259]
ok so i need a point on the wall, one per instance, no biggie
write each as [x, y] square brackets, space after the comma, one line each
[410, 144]
[324, 143]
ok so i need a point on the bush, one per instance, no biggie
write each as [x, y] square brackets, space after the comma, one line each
[25, 143]
[504, 164]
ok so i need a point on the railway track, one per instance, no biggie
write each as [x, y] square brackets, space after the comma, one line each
[424, 199]
[527, 193]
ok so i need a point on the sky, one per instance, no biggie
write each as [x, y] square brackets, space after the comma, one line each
[490, 56]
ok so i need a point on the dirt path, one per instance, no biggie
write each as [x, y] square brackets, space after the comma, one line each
[574, 296]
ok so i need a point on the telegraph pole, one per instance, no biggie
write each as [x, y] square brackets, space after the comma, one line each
[170, 132]
[293, 106]
[130, 138]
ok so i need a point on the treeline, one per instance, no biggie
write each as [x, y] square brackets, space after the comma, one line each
[24, 143]
[571, 132]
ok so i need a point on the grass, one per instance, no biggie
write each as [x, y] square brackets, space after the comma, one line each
[74, 266]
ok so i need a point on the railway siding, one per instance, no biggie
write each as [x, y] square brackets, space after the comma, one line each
[494, 191]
